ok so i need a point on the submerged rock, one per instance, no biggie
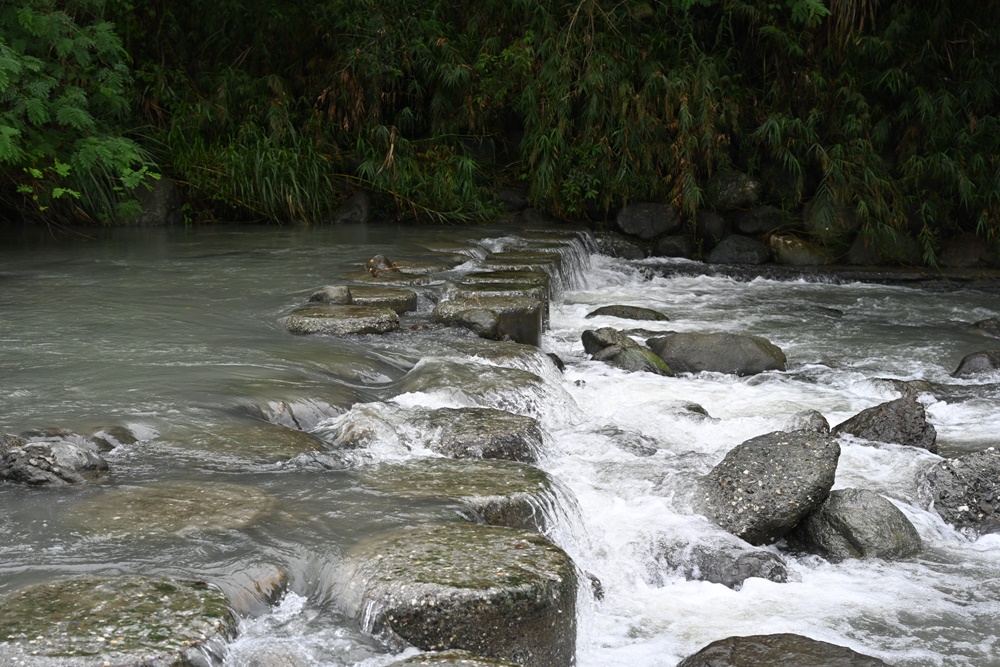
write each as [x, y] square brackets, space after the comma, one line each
[989, 326]
[342, 320]
[50, 463]
[95, 621]
[519, 319]
[857, 523]
[987, 361]
[629, 313]
[177, 508]
[965, 490]
[259, 441]
[766, 485]
[500, 493]
[496, 592]
[738, 354]
[902, 421]
[777, 651]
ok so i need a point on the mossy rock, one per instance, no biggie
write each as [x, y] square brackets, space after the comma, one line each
[396, 298]
[518, 319]
[258, 441]
[342, 320]
[502, 493]
[496, 592]
[173, 508]
[132, 620]
[507, 278]
[450, 659]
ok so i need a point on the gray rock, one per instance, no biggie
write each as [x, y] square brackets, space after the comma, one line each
[334, 295]
[647, 220]
[398, 299]
[729, 563]
[595, 340]
[450, 659]
[259, 442]
[730, 189]
[989, 326]
[107, 439]
[633, 358]
[986, 361]
[51, 463]
[629, 313]
[342, 320]
[484, 323]
[791, 250]
[857, 523]
[761, 220]
[808, 420]
[902, 421]
[965, 490]
[303, 413]
[674, 245]
[496, 592]
[518, 319]
[356, 210]
[718, 352]
[524, 260]
[616, 245]
[710, 228]
[738, 249]
[92, 621]
[161, 203]
[766, 485]
[781, 650]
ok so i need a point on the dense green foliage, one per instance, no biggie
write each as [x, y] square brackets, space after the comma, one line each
[881, 111]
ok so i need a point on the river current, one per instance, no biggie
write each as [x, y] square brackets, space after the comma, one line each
[177, 335]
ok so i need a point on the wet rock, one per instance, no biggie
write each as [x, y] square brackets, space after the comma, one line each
[718, 352]
[334, 295]
[518, 319]
[521, 260]
[738, 249]
[965, 491]
[766, 485]
[729, 563]
[559, 363]
[857, 523]
[450, 659]
[498, 493]
[95, 621]
[788, 249]
[674, 245]
[777, 651]
[107, 439]
[271, 656]
[508, 290]
[990, 326]
[731, 189]
[618, 350]
[355, 210]
[761, 220]
[342, 320]
[50, 463]
[987, 361]
[496, 592]
[257, 441]
[710, 228]
[172, 508]
[808, 420]
[595, 340]
[629, 313]
[398, 299]
[252, 590]
[460, 433]
[532, 278]
[616, 245]
[647, 220]
[301, 413]
[902, 421]
[484, 323]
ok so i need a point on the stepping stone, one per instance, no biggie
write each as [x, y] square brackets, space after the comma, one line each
[519, 319]
[342, 320]
[398, 299]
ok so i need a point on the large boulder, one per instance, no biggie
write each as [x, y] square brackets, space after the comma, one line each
[739, 354]
[710, 228]
[965, 490]
[781, 650]
[730, 189]
[94, 621]
[617, 245]
[50, 463]
[968, 251]
[761, 221]
[330, 319]
[496, 592]
[738, 249]
[674, 245]
[766, 485]
[902, 421]
[857, 523]
[518, 319]
[620, 351]
[450, 659]
[987, 361]
[647, 220]
[398, 299]
[789, 249]
[728, 562]
[629, 313]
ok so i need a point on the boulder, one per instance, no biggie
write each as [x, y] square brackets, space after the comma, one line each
[729, 562]
[334, 295]
[730, 189]
[965, 490]
[49, 463]
[595, 340]
[674, 245]
[132, 620]
[108, 438]
[304, 412]
[524, 260]
[808, 420]
[762, 220]
[902, 421]
[450, 659]
[398, 299]
[788, 249]
[633, 358]
[484, 323]
[497, 493]
[738, 249]
[629, 313]
[738, 354]
[532, 278]
[781, 650]
[766, 485]
[987, 361]
[496, 592]
[342, 320]
[160, 202]
[967, 251]
[710, 228]
[616, 245]
[857, 523]
[647, 220]
[989, 326]
[518, 319]
[355, 210]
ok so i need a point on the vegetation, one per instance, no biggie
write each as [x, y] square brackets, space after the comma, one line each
[885, 112]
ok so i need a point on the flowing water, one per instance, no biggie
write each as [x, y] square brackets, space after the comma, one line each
[176, 334]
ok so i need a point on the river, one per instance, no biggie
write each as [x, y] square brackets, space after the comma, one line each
[177, 335]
